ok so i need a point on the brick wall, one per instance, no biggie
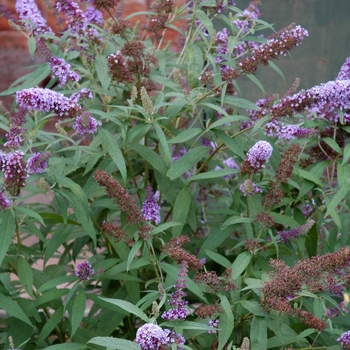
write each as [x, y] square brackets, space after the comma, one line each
[14, 56]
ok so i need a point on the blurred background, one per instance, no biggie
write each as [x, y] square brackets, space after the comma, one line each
[316, 61]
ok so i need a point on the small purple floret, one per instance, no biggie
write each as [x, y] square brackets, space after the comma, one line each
[344, 340]
[4, 202]
[37, 163]
[86, 124]
[62, 70]
[84, 271]
[150, 208]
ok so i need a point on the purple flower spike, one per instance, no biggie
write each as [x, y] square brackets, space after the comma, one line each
[86, 124]
[61, 69]
[285, 236]
[344, 73]
[84, 271]
[46, 100]
[33, 20]
[179, 312]
[150, 208]
[152, 337]
[344, 340]
[94, 16]
[14, 170]
[37, 163]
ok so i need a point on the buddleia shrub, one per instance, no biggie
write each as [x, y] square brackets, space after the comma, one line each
[147, 202]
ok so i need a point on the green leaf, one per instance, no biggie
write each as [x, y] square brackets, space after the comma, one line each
[214, 174]
[185, 135]
[215, 238]
[240, 102]
[127, 306]
[32, 46]
[57, 239]
[13, 309]
[135, 248]
[181, 208]
[195, 64]
[66, 346]
[186, 325]
[112, 148]
[165, 226]
[258, 333]
[151, 158]
[205, 21]
[253, 307]
[232, 143]
[284, 220]
[79, 202]
[25, 275]
[51, 324]
[226, 120]
[331, 143]
[102, 71]
[7, 232]
[187, 161]
[164, 149]
[346, 154]
[226, 322]
[240, 264]
[343, 171]
[256, 81]
[311, 241]
[55, 282]
[174, 109]
[234, 220]
[307, 176]
[33, 79]
[30, 213]
[114, 343]
[78, 309]
[337, 198]
[276, 69]
[218, 258]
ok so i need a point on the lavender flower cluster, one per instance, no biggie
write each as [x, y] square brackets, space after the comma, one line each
[257, 157]
[150, 207]
[84, 271]
[180, 311]
[31, 17]
[344, 340]
[61, 69]
[285, 236]
[46, 100]
[152, 337]
[287, 131]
